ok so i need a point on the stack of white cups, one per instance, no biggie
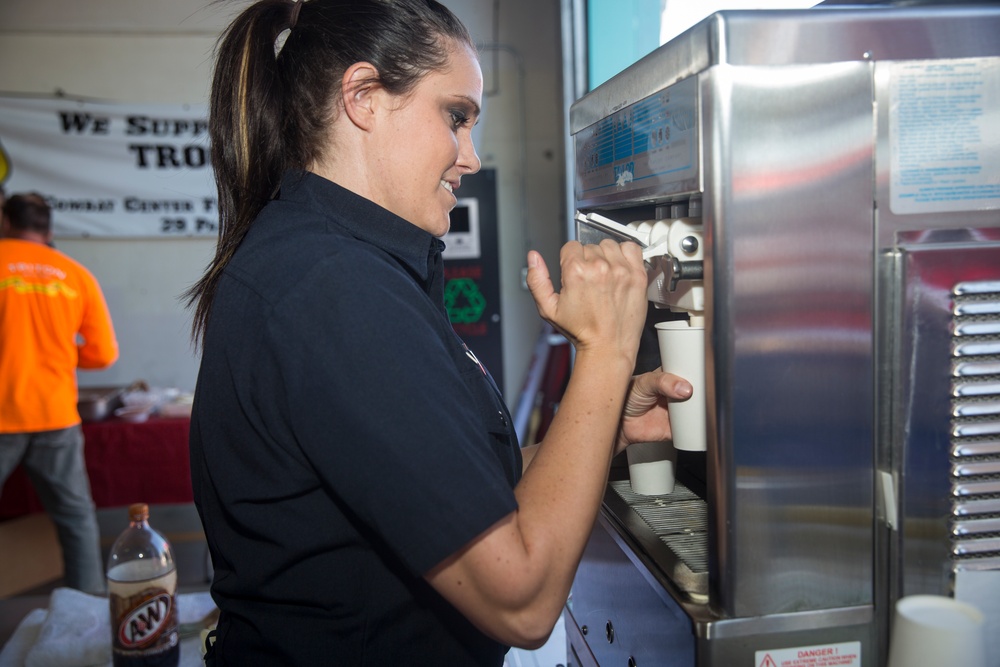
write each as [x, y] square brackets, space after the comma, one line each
[933, 630]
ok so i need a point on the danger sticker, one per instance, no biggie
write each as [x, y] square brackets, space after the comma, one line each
[825, 655]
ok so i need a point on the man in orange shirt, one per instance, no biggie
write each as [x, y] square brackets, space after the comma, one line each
[53, 320]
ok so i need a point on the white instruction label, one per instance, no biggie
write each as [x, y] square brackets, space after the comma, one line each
[944, 135]
[824, 655]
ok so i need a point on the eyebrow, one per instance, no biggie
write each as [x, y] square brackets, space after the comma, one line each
[476, 111]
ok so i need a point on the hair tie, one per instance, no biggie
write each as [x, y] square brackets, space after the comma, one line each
[279, 41]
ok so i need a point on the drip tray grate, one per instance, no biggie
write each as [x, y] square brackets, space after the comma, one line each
[673, 528]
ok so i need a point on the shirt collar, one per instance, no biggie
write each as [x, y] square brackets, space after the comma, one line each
[365, 220]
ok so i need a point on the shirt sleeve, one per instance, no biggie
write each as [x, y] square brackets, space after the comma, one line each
[98, 346]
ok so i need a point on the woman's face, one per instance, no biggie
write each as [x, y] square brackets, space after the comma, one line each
[426, 143]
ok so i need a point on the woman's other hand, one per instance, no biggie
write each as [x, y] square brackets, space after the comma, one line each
[645, 417]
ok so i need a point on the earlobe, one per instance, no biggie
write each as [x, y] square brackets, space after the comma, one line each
[359, 90]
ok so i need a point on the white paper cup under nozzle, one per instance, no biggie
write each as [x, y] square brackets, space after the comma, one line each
[682, 352]
[933, 630]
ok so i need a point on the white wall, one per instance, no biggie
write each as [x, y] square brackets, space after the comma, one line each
[161, 52]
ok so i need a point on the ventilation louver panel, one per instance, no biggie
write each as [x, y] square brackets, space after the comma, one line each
[975, 426]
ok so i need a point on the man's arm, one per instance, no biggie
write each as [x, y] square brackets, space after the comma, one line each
[97, 345]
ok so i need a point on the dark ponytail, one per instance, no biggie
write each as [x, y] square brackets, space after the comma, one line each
[271, 109]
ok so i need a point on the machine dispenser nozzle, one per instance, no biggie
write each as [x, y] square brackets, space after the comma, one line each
[674, 270]
[671, 248]
[675, 258]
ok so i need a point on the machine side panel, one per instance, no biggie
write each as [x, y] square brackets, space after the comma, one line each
[788, 162]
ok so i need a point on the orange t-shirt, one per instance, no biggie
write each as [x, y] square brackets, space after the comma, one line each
[53, 320]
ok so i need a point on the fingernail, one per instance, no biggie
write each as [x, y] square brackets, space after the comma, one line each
[683, 389]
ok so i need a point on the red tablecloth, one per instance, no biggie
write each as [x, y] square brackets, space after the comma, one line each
[127, 463]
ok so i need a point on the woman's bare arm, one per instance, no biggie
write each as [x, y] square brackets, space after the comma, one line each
[513, 580]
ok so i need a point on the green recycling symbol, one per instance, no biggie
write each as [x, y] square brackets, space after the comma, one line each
[463, 300]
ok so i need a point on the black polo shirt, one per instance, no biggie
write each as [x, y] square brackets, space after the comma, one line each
[343, 441]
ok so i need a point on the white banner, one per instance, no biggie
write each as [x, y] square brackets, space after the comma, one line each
[111, 169]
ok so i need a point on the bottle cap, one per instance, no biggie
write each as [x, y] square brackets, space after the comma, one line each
[138, 512]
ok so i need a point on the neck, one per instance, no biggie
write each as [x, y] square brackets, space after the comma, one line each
[27, 235]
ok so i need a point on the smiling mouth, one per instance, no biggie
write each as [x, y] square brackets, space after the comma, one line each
[448, 186]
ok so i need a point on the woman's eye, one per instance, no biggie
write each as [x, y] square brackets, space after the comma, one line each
[458, 118]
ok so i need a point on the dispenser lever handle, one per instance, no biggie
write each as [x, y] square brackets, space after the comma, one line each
[678, 270]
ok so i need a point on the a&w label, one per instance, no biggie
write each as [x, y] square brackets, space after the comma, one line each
[143, 613]
[143, 625]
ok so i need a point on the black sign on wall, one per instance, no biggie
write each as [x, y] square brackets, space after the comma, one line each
[472, 271]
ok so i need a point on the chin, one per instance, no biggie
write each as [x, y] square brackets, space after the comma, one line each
[439, 227]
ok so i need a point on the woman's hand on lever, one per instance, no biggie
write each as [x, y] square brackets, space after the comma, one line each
[603, 297]
[512, 581]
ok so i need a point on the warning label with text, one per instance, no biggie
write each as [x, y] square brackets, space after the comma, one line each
[824, 655]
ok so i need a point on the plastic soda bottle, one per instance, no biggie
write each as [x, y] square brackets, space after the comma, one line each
[142, 585]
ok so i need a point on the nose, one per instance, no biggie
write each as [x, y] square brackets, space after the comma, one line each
[468, 159]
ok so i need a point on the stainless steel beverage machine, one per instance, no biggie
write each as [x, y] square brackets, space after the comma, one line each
[818, 193]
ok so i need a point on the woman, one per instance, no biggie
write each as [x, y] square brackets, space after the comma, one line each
[354, 466]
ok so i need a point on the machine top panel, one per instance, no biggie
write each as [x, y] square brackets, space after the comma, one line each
[797, 37]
